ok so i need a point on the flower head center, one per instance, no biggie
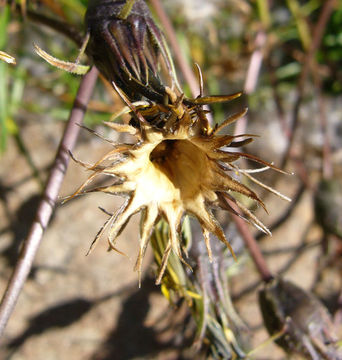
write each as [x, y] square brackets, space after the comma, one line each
[183, 163]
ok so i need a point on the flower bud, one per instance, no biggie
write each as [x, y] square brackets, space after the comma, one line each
[128, 47]
[300, 318]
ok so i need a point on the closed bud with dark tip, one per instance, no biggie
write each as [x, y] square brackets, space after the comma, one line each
[128, 48]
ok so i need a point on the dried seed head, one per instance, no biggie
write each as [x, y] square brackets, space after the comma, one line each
[128, 48]
[184, 167]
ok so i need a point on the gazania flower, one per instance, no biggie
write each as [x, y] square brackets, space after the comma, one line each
[182, 167]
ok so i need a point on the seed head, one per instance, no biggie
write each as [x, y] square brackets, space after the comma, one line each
[182, 167]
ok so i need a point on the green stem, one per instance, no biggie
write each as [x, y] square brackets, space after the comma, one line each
[264, 13]
[3, 108]
[302, 26]
[4, 20]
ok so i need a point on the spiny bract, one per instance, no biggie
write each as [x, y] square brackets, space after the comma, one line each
[180, 167]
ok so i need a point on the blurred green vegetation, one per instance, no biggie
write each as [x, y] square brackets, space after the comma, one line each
[331, 53]
[218, 35]
[4, 19]
[30, 87]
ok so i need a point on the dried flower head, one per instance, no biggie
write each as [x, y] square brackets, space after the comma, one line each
[128, 47]
[182, 167]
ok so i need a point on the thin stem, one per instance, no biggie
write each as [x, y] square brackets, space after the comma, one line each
[264, 13]
[188, 74]
[318, 32]
[62, 27]
[271, 70]
[255, 63]
[327, 167]
[287, 213]
[252, 76]
[251, 244]
[48, 200]
[302, 26]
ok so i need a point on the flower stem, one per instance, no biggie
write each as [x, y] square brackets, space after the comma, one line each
[177, 51]
[48, 200]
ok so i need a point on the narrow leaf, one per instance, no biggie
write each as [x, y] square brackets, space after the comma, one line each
[60, 64]
[7, 58]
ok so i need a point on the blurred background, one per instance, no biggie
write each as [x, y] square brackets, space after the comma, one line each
[287, 58]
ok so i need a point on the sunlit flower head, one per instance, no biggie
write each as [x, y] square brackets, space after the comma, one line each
[179, 167]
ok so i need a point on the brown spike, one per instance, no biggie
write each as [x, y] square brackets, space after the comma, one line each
[99, 234]
[113, 189]
[227, 183]
[164, 263]
[85, 165]
[200, 79]
[128, 209]
[118, 150]
[213, 99]
[241, 142]
[95, 133]
[211, 224]
[125, 128]
[206, 236]
[150, 216]
[230, 120]
[258, 160]
[125, 99]
[79, 190]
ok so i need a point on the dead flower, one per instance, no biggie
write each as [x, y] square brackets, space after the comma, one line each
[182, 167]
